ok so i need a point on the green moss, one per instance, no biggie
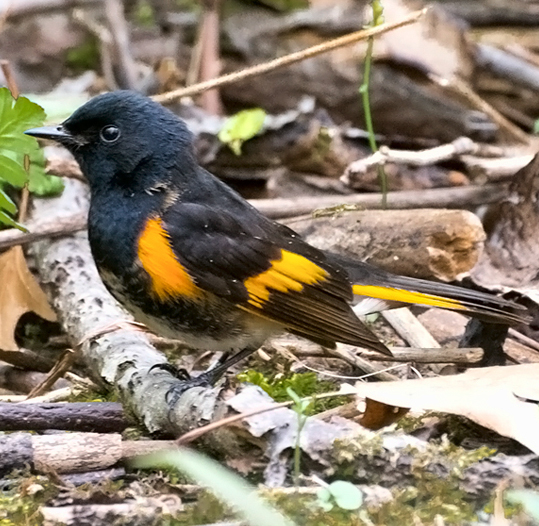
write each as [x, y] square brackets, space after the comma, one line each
[20, 502]
[303, 384]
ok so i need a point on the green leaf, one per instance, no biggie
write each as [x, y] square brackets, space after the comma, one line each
[9, 221]
[39, 183]
[346, 495]
[6, 203]
[527, 498]
[11, 171]
[325, 499]
[17, 117]
[233, 490]
[536, 127]
[241, 127]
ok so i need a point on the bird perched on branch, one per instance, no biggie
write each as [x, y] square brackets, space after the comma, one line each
[191, 259]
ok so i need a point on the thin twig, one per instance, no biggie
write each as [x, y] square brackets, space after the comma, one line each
[287, 60]
[196, 433]
[58, 371]
[463, 89]
[10, 78]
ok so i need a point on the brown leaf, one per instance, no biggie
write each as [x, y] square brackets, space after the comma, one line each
[19, 293]
[491, 396]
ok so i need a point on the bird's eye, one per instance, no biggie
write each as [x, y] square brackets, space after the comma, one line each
[109, 133]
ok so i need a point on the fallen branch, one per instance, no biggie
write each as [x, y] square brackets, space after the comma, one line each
[460, 197]
[96, 417]
[384, 155]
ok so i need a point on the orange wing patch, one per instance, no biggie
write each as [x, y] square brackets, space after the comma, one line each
[407, 296]
[169, 277]
[291, 272]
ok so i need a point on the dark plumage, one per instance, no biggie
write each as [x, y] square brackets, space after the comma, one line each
[192, 259]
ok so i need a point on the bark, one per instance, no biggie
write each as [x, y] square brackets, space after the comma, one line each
[97, 417]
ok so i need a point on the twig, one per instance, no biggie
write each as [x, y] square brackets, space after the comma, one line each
[10, 78]
[196, 433]
[460, 87]
[58, 395]
[522, 338]
[210, 65]
[462, 355]
[105, 44]
[97, 417]
[286, 60]
[410, 329]
[348, 354]
[458, 197]
[62, 366]
[27, 359]
[38, 230]
[496, 169]
[114, 11]
[462, 145]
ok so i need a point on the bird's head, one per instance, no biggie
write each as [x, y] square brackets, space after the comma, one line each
[125, 139]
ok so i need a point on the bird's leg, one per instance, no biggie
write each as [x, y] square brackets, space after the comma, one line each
[206, 379]
[226, 362]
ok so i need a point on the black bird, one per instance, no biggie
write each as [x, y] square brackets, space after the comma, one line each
[191, 259]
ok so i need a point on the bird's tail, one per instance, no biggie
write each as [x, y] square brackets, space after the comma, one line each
[378, 290]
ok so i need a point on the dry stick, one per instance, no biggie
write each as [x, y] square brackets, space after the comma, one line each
[210, 64]
[522, 338]
[462, 355]
[63, 365]
[460, 87]
[105, 44]
[62, 226]
[287, 60]
[410, 329]
[196, 433]
[462, 145]
[114, 12]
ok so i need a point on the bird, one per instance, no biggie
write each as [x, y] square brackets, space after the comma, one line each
[193, 260]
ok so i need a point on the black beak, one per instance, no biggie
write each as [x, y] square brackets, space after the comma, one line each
[54, 133]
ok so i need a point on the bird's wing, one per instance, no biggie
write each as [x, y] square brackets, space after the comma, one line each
[256, 266]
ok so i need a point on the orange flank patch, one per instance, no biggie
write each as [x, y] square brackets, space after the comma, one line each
[291, 272]
[169, 277]
[406, 296]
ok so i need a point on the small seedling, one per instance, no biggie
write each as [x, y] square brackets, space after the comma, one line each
[341, 494]
[300, 407]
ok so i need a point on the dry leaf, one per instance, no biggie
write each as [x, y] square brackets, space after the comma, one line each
[19, 293]
[490, 396]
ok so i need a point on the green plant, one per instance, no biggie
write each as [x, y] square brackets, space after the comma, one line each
[377, 19]
[300, 407]
[340, 493]
[21, 160]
